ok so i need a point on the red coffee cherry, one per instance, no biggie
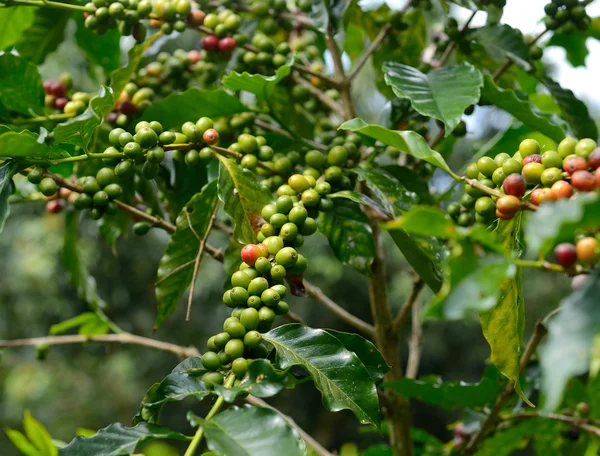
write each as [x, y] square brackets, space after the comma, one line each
[194, 56]
[539, 195]
[127, 108]
[54, 206]
[210, 43]
[227, 44]
[535, 158]
[594, 159]
[561, 189]
[57, 89]
[514, 185]
[112, 117]
[574, 163]
[250, 253]
[503, 216]
[211, 136]
[48, 86]
[566, 254]
[583, 181]
[60, 103]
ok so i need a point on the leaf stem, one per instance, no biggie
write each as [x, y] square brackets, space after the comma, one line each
[336, 108]
[582, 423]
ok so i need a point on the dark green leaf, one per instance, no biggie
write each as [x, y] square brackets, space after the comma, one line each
[450, 395]
[387, 189]
[80, 130]
[412, 181]
[44, 35]
[366, 351]
[176, 268]
[20, 85]
[7, 170]
[443, 94]
[177, 108]
[259, 85]
[117, 439]
[243, 199]
[502, 41]
[13, 22]
[230, 433]
[77, 271]
[363, 199]
[566, 351]
[338, 373]
[349, 233]
[574, 110]
[575, 44]
[522, 110]
[102, 50]
[27, 144]
[426, 221]
[408, 141]
[326, 13]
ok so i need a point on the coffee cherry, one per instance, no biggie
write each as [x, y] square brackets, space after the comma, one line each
[239, 367]
[585, 147]
[35, 176]
[597, 176]
[83, 201]
[210, 43]
[472, 171]
[486, 166]
[113, 191]
[249, 318]
[551, 159]
[286, 257]
[54, 206]
[192, 157]
[211, 136]
[240, 279]
[221, 339]
[250, 253]
[539, 195]
[583, 181]
[508, 205]
[498, 176]
[212, 378]
[146, 137]
[465, 219]
[298, 183]
[515, 185]
[252, 339]
[566, 147]
[587, 250]
[234, 328]
[308, 227]
[534, 158]
[105, 176]
[227, 45]
[211, 361]
[234, 349]
[574, 163]
[562, 189]
[583, 409]
[238, 295]
[550, 176]
[274, 244]
[529, 147]
[141, 228]
[511, 166]
[565, 254]
[48, 187]
[485, 206]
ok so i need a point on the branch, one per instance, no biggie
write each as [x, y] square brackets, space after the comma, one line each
[352, 320]
[342, 81]
[239, 156]
[547, 266]
[582, 423]
[122, 338]
[408, 305]
[414, 344]
[318, 94]
[537, 336]
[452, 45]
[316, 446]
[372, 48]
[506, 65]
[38, 119]
[48, 4]
[490, 191]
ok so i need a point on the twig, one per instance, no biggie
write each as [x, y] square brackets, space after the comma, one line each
[547, 266]
[318, 295]
[582, 423]
[372, 48]
[293, 317]
[452, 45]
[538, 334]
[49, 4]
[38, 119]
[408, 305]
[304, 69]
[122, 338]
[342, 81]
[316, 446]
[506, 65]
[414, 343]
[239, 156]
[267, 126]
[318, 94]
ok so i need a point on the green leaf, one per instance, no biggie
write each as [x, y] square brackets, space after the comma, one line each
[501, 41]
[566, 351]
[21, 442]
[559, 222]
[426, 221]
[229, 433]
[506, 442]
[362, 199]
[21, 87]
[13, 22]
[366, 351]
[26, 144]
[119, 78]
[89, 324]
[176, 268]
[325, 13]
[412, 182]
[349, 234]
[522, 110]
[243, 199]
[80, 130]
[262, 380]
[443, 94]
[408, 141]
[338, 373]
[176, 387]
[38, 435]
[575, 44]
[177, 108]
[7, 170]
[44, 35]
[259, 85]
[77, 271]
[574, 110]
[102, 50]
[117, 439]
[450, 395]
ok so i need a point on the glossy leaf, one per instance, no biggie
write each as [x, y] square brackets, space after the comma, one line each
[38, 435]
[243, 198]
[20, 85]
[408, 141]
[443, 94]
[412, 182]
[362, 199]
[566, 350]
[77, 271]
[117, 439]
[426, 221]
[450, 395]
[501, 41]
[80, 130]
[349, 234]
[13, 22]
[177, 108]
[326, 13]
[7, 170]
[574, 110]
[176, 268]
[44, 35]
[27, 144]
[101, 50]
[522, 110]
[229, 433]
[259, 85]
[387, 189]
[338, 373]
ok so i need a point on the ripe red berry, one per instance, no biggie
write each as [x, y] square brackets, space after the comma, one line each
[534, 158]
[60, 103]
[48, 86]
[594, 159]
[127, 108]
[54, 206]
[210, 43]
[514, 185]
[196, 17]
[583, 181]
[508, 205]
[58, 89]
[574, 163]
[561, 189]
[566, 254]
[211, 136]
[194, 56]
[112, 117]
[539, 195]
[250, 253]
[227, 44]
[64, 193]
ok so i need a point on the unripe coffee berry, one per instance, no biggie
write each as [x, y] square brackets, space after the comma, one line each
[234, 349]
[48, 187]
[239, 367]
[566, 147]
[238, 295]
[286, 257]
[551, 159]
[529, 147]
[532, 172]
[240, 279]
[486, 166]
[508, 204]
[249, 318]
[298, 183]
[511, 166]
[211, 361]
[275, 243]
[585, 147]
[550, 176]
[587, 250]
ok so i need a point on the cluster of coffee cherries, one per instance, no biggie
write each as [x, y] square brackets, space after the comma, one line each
[224, 37]
[549, 176]
[124, 14]
[58, 96]
[257, 288]
[269, 55]
[566, 16]
[171, 15]
[131, 102]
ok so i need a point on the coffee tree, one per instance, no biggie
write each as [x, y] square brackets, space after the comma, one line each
[257, 132]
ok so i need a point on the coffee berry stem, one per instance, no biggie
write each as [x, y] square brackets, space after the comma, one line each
[40, 119]
[48, 4]
[77, 158]
[547, 266]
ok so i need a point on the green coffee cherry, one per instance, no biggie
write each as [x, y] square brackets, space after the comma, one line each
[35, 176]
[234, 349]
[48, 187]
[240, 279]
[249, 318]
[211, 361]
[257, 286]
[239, 367]
[286, 257]
[239, 295]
